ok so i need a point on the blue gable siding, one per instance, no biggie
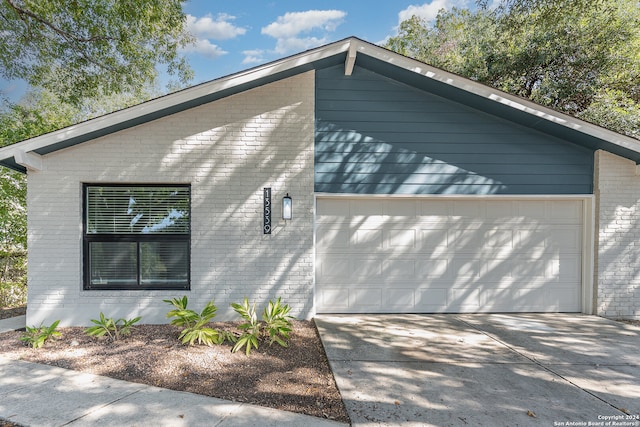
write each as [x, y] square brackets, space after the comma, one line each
[375, 135]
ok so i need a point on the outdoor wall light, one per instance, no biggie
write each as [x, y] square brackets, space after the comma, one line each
[287, 207]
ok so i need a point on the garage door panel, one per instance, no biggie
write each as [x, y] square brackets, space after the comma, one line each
[401, 208]
[432, 269]
[333, 268]
[500, 210]
[399, 269]
[565, 211]
[335, 300]
[334, 208]
[431, 300]
[465, 268]
[367, 239]
[368, 298]
[367, 208]
[464, 300]
[433, 240]
[364, 270]
[401, 238]
[448, 255]
[566, 239]
[468, 209]
[399, 299]
[333, 238]
[429, 210]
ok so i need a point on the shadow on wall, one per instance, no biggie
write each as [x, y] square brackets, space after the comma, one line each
[414, 255]
[228, 151]
[350, 162]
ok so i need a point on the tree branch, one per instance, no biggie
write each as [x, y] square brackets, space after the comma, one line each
[66, 35]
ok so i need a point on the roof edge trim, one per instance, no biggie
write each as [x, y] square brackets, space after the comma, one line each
[496, 95]
[186, 96]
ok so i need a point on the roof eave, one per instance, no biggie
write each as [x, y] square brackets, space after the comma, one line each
[172, 103]
[543, 116]
[348, 50]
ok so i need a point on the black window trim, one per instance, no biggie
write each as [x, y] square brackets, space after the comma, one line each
[87, 238]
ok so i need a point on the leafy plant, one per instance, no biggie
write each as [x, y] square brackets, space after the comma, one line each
[277, 322]
[195, 325]
[251, 327]
[275, 325]
[37, 336]
[115, 329]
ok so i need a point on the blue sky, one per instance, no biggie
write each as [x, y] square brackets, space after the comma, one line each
[235, 35]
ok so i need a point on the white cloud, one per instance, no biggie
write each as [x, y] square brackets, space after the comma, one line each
[429, 11]
[288, 28]
[218, 28]
[207, 28]
[255, 56]
[294, 23]
[205, 48]
[295, 44]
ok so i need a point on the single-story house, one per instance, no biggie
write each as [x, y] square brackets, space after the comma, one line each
[405, 188]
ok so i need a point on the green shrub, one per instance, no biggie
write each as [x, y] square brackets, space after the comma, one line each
[195, 325]
[275, 325]
[37, 336]
[277, 322]
[114, 329]
[251, 327]
[13, 294]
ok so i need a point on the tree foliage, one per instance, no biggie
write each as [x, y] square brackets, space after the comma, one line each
[85, 49]
[40, 112]
[581, 57]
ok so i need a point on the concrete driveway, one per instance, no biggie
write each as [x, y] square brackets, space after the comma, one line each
[485, 369]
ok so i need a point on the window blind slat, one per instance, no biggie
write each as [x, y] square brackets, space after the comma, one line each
[137, 210]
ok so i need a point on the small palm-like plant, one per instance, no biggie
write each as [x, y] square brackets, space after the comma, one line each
[251, 327]
[194, 324]
[277, 322]
[114, 329]
[275, 325]
[37, 336]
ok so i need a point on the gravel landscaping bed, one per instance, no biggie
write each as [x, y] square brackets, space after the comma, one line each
[297, 378]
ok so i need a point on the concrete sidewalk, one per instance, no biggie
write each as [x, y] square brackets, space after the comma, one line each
[12, 324]
[484, 370]
[39, 395]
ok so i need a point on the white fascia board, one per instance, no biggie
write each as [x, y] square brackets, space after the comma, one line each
[350, 62]
[31, 161]
[496, 95]
[177, 98]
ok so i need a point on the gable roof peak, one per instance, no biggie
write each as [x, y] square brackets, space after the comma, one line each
[349, 52]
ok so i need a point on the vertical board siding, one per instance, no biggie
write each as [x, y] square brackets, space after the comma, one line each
[375, 135]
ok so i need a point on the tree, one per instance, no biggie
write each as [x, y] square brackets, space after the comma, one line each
[85, 49]
[39, 113]
[580, 57]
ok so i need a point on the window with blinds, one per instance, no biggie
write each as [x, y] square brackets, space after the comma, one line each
[137, 237]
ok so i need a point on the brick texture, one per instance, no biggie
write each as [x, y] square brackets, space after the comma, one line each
[228, 150]
[617, 188]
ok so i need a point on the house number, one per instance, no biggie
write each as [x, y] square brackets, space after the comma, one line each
[267, 211]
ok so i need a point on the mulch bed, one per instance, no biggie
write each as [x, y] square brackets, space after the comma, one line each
[297, 378]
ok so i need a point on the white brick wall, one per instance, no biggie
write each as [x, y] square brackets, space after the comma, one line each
[228, 151]
[617, 189]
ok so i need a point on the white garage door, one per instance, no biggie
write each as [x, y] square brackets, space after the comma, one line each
[386, 255]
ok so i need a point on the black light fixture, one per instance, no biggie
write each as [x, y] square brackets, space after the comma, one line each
[287, 207]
